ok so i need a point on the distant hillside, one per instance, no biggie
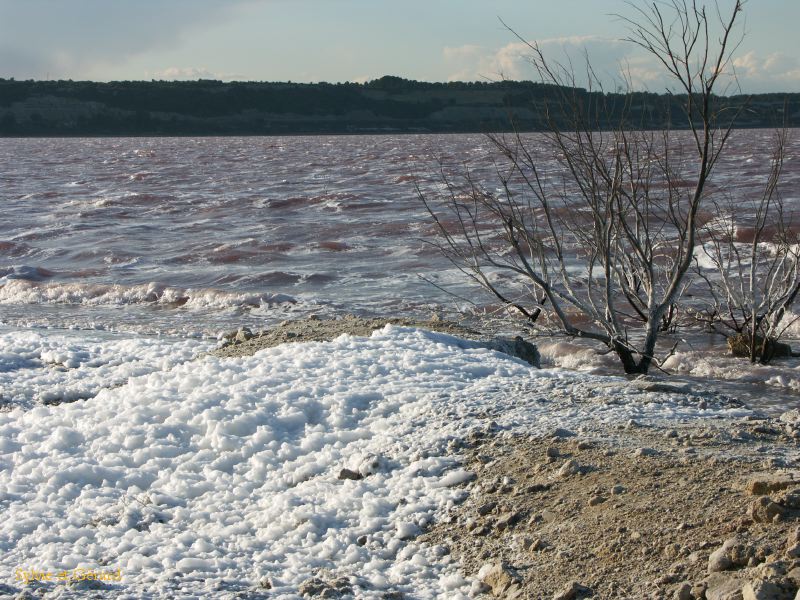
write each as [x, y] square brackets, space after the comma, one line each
[388, 104]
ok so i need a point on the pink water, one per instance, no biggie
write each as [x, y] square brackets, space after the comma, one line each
[187, 236]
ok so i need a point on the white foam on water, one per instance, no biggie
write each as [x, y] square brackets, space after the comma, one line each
[17, 291]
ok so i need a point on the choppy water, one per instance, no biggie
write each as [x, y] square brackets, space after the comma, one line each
[182, 235]
[190, 235]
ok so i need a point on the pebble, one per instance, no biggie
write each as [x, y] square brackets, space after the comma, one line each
[570, 591]
[761, 590]
[485, 509]
[683, 592]
[570, 467]
[500, 580]
[507, 520]
[563, 433]
[645, 452]
[350, 474]
[764, 510]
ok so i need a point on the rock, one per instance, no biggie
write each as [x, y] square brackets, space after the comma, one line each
[739, 345]
[683, 592]
[507, 520]
[570, 467]
[361, 540]
[536, 545]
[762, 590]
[771, 482]
[265, 583]
[500, 580]
[732, 553]
[793, 537]
[563, 433]
[645, 452]
[791, 416]
[527, 352]
[764, 510]
[720, 586]
[517, 347]
[571, 591]
[485, 509]
[320, 588]
[552, 452]
[549, 516]
[789, 498]
[350, 474]
[242, 335]
[595, 500]
[617, 490]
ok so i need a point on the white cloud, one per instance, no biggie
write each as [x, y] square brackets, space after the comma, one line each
[190, 74]
[774, 72]
[513, 61]
[614, 61]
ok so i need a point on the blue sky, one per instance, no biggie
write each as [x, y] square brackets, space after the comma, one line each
[353, 40]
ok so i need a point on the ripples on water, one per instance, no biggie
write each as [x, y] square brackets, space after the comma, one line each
[225, 229]
[191, 236]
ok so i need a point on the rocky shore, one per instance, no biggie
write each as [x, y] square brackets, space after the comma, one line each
[695, 511]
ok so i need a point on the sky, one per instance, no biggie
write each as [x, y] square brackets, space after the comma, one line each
[359, 40]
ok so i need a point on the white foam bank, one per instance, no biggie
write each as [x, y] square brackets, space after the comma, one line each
[47, 367]
[211, 476]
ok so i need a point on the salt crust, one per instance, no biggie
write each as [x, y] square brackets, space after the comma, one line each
[218, 474]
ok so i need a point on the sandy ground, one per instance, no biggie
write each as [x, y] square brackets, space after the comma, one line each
[246, 343]
[634, 514]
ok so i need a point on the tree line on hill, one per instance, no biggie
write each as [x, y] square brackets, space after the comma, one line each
[388, 104]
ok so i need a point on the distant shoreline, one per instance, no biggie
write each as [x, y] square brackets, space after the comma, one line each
[385, 106]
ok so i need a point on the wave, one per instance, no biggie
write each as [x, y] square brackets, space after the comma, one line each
[25, 272]
[19, 291]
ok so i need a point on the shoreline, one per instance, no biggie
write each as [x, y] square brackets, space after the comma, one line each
[633, 511]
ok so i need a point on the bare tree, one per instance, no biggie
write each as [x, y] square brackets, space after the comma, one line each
[751, 270]
[596, 220]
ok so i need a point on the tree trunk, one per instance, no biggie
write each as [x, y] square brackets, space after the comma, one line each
[629, 364]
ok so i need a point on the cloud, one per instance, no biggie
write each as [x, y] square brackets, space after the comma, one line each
[70, 38]
[191, 74]
[513, 61]
[614, 62]
[776, 72]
